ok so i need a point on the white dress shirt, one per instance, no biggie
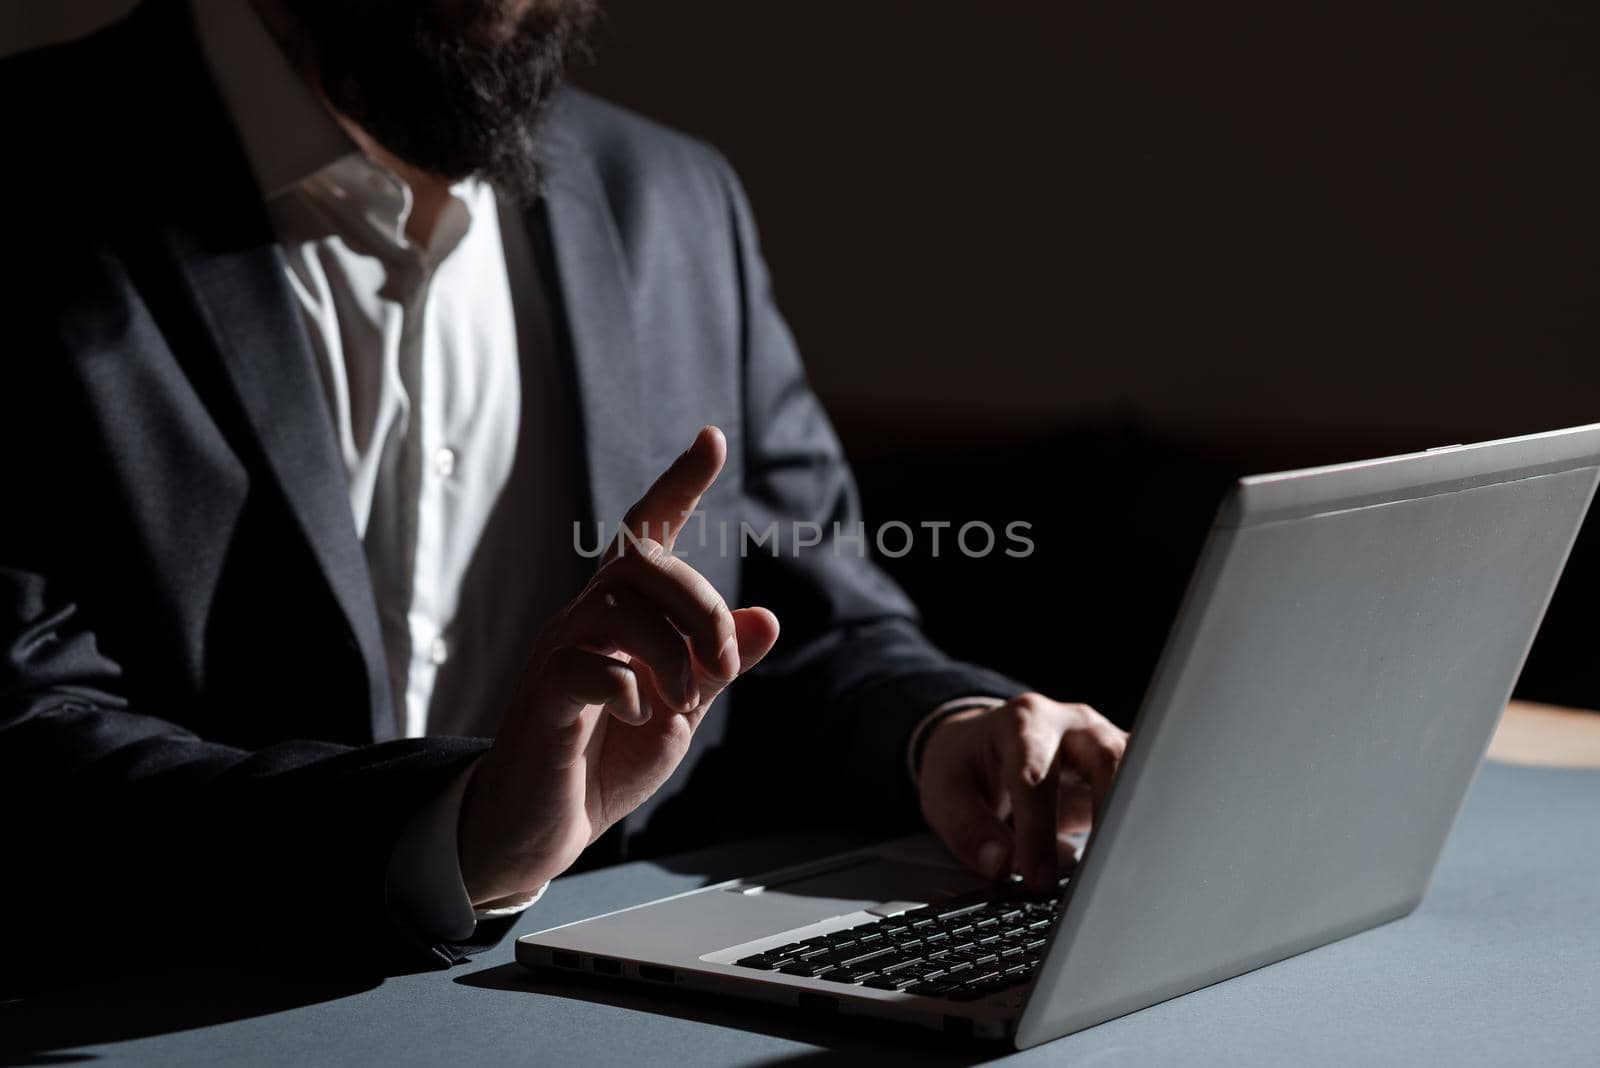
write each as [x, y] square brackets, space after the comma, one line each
[418, 351]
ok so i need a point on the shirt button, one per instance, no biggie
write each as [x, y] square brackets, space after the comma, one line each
[438, 652]
[444, 463]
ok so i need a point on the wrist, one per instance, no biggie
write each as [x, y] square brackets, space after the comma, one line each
[962, 706]
[499, 859]
[948, 733]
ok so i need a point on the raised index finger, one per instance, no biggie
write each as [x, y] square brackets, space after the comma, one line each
[667, 504]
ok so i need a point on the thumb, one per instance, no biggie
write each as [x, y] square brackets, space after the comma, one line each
[756, 630]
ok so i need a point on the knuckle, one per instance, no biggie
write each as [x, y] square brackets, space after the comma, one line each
[1034, 703]
[683, 572]
[677, 571]
[1032, 760]
[1035, 728]
[1083, 740]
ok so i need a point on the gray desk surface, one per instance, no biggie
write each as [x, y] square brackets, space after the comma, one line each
[1500, 965]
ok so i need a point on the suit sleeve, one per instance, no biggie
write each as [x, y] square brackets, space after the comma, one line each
[852, 663]
[282, 849]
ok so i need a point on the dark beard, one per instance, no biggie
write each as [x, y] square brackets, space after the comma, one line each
[448, 86]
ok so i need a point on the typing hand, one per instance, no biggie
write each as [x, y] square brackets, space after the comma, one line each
[610, 697]
[1045, 765]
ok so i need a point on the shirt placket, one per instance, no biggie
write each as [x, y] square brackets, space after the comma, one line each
[427, 473]
[433, 462]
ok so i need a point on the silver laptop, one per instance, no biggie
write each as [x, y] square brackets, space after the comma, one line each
[1348, 641]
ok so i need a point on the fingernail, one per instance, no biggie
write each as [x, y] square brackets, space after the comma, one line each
[991, 855]
[728, 657]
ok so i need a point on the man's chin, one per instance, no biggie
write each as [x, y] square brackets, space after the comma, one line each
[439, 106]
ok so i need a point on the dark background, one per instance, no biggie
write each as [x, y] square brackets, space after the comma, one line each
[1077, 264]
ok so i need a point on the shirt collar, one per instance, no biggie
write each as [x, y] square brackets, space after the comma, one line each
[287, 132]
[295, 145]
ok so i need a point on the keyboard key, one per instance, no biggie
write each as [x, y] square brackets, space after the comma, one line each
[892, 981]
[975, 991]
[806, 968]
[946, 911]
[760, 960]
[860, 954]
[848, 975]
[934, 989]
[923, 968]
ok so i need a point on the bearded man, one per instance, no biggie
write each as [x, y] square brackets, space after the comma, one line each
[334, 320]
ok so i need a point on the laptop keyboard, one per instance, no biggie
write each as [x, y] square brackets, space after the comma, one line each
[958, 950]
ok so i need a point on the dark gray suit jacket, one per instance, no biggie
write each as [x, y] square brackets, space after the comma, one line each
[195, 723]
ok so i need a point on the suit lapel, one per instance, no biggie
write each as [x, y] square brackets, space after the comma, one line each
[573, 232]
[214, 233]
[245, 306]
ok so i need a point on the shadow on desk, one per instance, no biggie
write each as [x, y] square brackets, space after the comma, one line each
[47, 1028]
[843, 1041]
